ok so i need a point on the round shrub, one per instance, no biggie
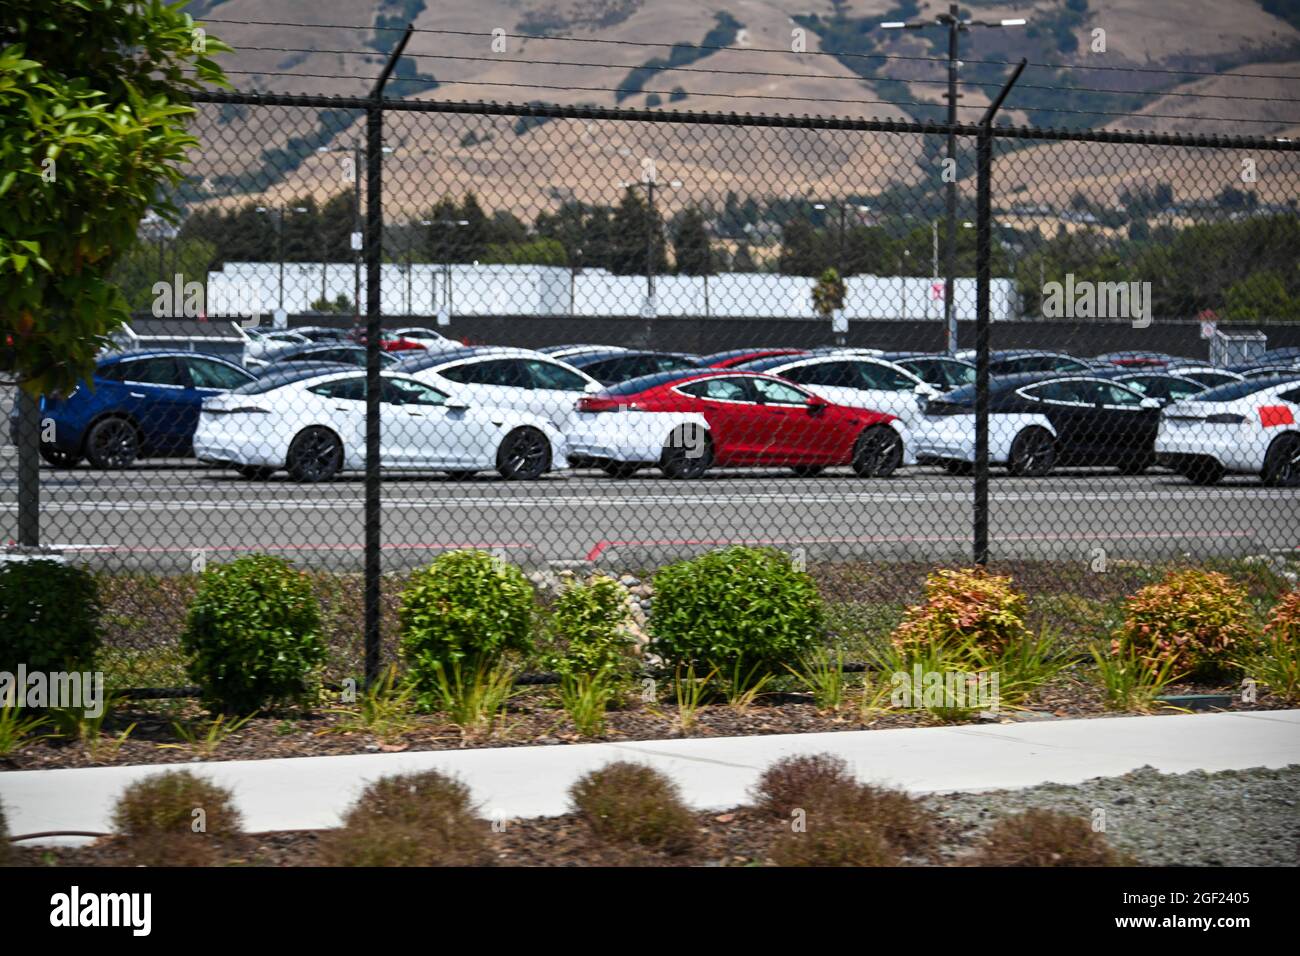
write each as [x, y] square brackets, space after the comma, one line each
[1195, 619]
[833, 840]
[589, 626]
[632, 804]
[176, 819]
[254, 634]
[1046, 838]
[420, 819]
[464, 611]
[745, 611]
[964, 607]
[49, 616]
[1284, 621]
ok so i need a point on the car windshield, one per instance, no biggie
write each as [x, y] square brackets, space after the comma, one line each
[634, 385]
[1235, 390]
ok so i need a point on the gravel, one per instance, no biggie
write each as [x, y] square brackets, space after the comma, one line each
[1233, 818]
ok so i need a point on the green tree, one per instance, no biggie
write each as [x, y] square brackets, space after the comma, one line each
[691, 247]
[1261, 297]
[828, 293]
[94, 105]
[634, 227]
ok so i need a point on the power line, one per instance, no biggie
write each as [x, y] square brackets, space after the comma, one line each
[855, 78]
[735, 49]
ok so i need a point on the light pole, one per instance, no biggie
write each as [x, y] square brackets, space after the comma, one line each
[279, 243]
[355, 239]
[956, 26]
[446, 271]
[844, 207]
[649, 184]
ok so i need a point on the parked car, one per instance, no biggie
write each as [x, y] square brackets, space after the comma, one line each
[388, 341]
[138, 405]
[428, 338]
[519, 379]
[346, 353]
[1245, 427]
[736, 357]
[258, 342]
[861, 381]
[1207, 375]
[1138, 359]
[610, 368]
[752, 420]
[1258, 372]
[1020, 361]
[1040, 421]
[567, 351]
[942, 371]
[314, 425]
[1164, 386]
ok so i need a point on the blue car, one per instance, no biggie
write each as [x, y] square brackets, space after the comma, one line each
[143, 404]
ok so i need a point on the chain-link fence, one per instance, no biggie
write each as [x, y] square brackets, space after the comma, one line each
[590, 337]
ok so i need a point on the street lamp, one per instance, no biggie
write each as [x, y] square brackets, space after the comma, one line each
[279, 242]
[956, 26]
[357, 232]
[649, 310]
[444, 314]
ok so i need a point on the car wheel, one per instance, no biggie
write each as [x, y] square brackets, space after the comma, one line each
[525, 454]
[1033, 454]
[112, 443]
[1135, 466]
[808, 471]
[1282, 463]
[59, 458]
[688, 454]
[962, 468]
[254, 472]
[461, 475]
[878, 452]
[1202, 471]
[316, 454]
[620, 469]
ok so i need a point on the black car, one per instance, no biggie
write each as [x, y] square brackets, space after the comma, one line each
[1165, 387]
[1134, 359]
[942, 371]
[1021, 361]
[1098, 422]
[612, 367]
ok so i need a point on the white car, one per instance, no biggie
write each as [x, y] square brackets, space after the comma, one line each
[1250, 427]
[313, 424]
[519, 379]
[259, 343]
[434, 341]
[946, 436]
[858, 381]
[613, 435]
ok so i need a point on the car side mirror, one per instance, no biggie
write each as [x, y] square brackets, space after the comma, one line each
[817, 405]
[1152, 403]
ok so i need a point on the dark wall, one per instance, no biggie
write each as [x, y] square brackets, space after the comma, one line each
[716, 335]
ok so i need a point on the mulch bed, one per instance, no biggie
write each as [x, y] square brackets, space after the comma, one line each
[533, 720]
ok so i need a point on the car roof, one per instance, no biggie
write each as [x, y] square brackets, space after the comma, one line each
[419, 361]
[1025, 353]
[737, 353]
[911, 356]
[114, 357]
[590, 358]
[656, 379]
[1231, 391]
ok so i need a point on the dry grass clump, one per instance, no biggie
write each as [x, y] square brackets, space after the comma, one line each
[634, 805]
[176, 819]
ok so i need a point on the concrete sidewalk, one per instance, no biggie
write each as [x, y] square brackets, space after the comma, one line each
[512, 782]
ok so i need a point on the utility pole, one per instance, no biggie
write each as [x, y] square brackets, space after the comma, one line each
[279, 243]
[956, 26]
[650, 229]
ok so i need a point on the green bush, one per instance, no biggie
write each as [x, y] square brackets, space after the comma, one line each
[589, 629]
[964, 607]
[745, 611]
[466, 608]
[420, 819]
[176, 819]
[49, 617]
[1196, 620]
[254, 634]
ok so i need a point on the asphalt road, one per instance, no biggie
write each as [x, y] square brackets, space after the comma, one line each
[160, 515]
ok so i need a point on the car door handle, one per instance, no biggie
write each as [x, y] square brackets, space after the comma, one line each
[136, 394]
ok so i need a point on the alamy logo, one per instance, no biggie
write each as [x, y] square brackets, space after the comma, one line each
[74, 908]
[62, 689]
[180, 299]
[1084, 299]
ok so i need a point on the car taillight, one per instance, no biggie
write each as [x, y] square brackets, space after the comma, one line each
[599, 403]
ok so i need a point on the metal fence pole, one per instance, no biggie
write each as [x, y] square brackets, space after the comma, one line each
[29, 469]
[374, 257]
[983, 255]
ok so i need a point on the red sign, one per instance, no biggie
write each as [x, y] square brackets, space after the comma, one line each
[936, 290]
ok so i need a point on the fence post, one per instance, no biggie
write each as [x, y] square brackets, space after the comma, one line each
[374, 243]
[983, 256]
[29, 469]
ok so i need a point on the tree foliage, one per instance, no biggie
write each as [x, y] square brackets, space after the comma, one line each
[94, 102]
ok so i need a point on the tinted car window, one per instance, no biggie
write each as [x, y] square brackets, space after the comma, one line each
[834, 374]
[509, 373]
[204, 373]
[347, 389]
[724, 389]
[163, 370]
[1292, 396]
[546, 375]
[1107, 393]
[874, 375]
[1235, 390]
[1057, 392]
[403, 391]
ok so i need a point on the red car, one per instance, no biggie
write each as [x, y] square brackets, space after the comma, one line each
[740, 356]
[757, 420]
[386, 343]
